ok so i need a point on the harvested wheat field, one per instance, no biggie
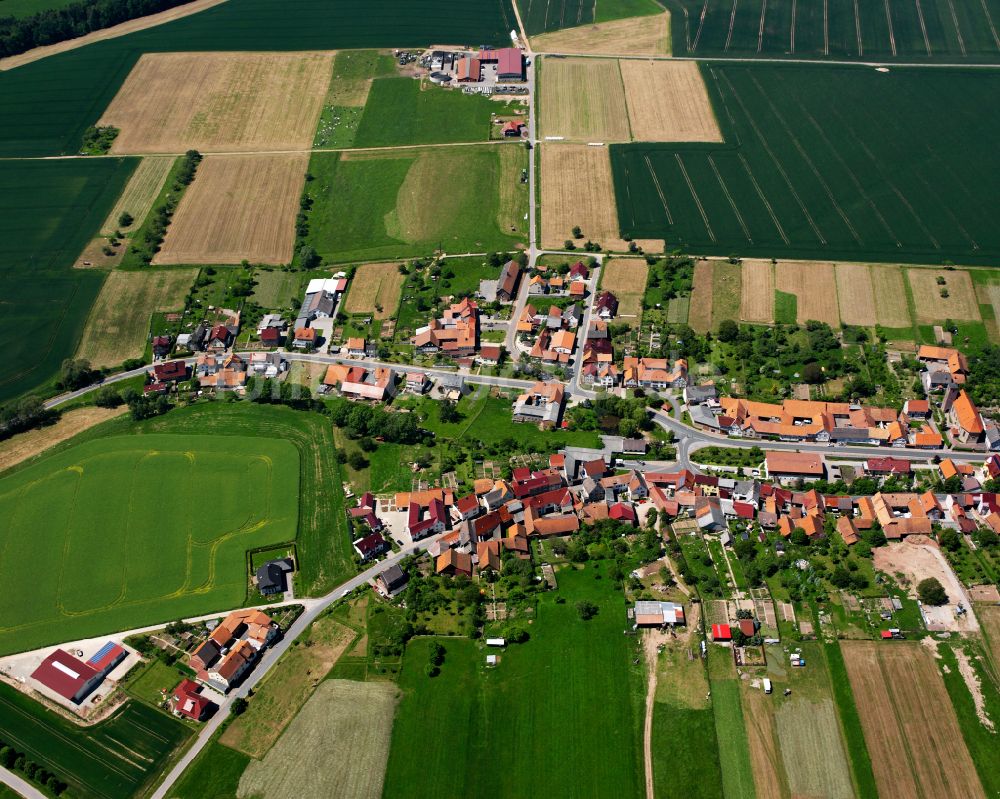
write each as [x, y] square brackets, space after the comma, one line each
[577, 190]
[375, 287]
[19, 448]
[239, 207]
[931, 306]
[626, 279]
[890, 306]
[118, 325]
[220, 102]
[668, 101]
[856, 295]
[806, 728]
[700, 309]
[814, 287]
[343, 733]
[123, 29]
[907, 717]
[648, 35]
[140, 193]
[583, 100]
[757, 292]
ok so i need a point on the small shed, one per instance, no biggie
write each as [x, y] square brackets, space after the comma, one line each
[495, 642]
[721, 632]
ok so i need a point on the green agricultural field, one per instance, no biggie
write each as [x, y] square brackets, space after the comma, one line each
[48, 213]
[323, 545]
[371, 206]
[952, 31]
[570, 697]
[215, 774]
[114, 759]
[541, 16]
[82, 519]
[827, 163]
[45, 106]
[404, 111]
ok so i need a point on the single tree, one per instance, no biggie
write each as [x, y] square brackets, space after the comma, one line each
[586, 609]
[931, 592]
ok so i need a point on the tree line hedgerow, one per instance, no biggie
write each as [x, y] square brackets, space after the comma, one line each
[11, 758]
[59, 24]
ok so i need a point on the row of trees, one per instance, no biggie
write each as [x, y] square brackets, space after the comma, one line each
[11, 758]
[59, 24]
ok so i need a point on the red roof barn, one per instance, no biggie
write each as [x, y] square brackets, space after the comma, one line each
[67, 676]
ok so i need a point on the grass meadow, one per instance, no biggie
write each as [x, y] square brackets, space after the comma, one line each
[214, 774]
[826, 163]
[82, 518]
[950, 31]
[48, 213]
[114, 759]
[560, 712]
[408, 202]
[45, 106]
[404, 111]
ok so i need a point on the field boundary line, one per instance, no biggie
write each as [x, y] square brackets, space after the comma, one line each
[777, 163]
[791, 30]
[808, 160]
[760, 29]
[989, 19]
[763, 199]
[923, 27]
[725, 189]
[826, 27]
[732, 22]
[659, 190]
[694, 196]
[857, 29]
[958, 29]
[701, 25]
[892, 33]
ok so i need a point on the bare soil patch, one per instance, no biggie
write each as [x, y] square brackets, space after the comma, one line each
[140, 193]
[583, 100]
[342, 734]
[577, 190]
[375, 285]
[125, 28]
[931, 306]
[890, 296]
[220, 102]
[910, 726]
[975, 687]
[856, 295]
[648, 35]
[916, 559]
[239, 207]
[286, 689]
[700, 309]
[668, 101]
[34, 442]
[814, 287]
[118, 325]
[757, 292]
[626, 279]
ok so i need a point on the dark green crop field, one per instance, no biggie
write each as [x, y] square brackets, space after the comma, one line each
[113, 759]
[914, 30]
[828, 162]
[48, 212]
[541, 16]
[45, 106]
[25, 8]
